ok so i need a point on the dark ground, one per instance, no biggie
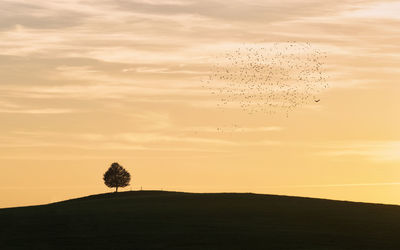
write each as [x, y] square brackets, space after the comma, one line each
[171, 220]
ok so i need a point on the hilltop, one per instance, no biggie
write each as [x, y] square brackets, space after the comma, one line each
[174, 220]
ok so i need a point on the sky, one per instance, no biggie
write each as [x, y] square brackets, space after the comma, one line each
[85, 83]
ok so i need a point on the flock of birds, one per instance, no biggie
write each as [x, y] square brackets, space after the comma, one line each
[259, 79]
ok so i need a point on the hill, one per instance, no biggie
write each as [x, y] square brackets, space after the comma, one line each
[173, 220]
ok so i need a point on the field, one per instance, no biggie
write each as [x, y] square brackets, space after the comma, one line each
[173, 220]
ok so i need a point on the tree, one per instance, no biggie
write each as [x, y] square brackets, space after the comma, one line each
[116, 176]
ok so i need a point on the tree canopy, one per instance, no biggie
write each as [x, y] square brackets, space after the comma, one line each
[116, 176]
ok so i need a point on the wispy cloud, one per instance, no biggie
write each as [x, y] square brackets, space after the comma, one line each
[153, 137]
[144, 141]
[373, 150]
[234, 128]
[44, 111]
[337, 185]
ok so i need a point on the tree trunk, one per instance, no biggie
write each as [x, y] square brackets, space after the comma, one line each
[116, 189]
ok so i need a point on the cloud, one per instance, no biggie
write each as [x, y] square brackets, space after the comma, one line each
[143, 40]
[10, 107]
[154, 137]
[237, 10]
[147, 54]
[372, 150]
[134, 141]
[386, 10]
[7, 104]
[45, 111]
[235, 128]
[31, 15]
[337, 185]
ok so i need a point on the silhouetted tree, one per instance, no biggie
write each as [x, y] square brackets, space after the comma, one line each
[116, 176]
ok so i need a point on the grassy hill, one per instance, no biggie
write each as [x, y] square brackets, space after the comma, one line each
[172, 220]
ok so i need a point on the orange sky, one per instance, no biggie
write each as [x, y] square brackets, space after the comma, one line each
[87, 83]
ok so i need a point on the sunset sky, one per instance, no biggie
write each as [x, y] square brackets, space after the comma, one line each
[85, 83]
